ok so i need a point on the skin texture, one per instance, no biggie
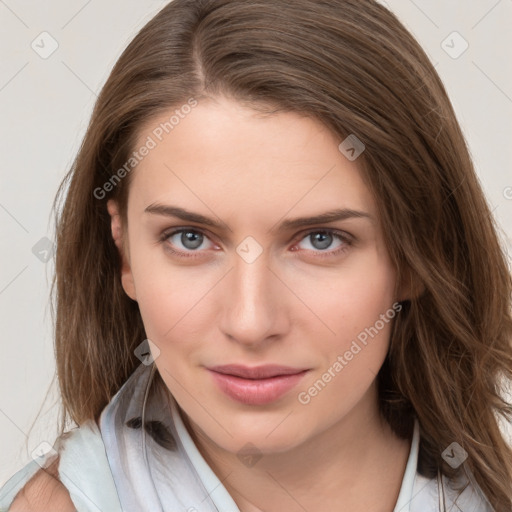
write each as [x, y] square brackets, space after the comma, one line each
[43, 492]
[297, 304]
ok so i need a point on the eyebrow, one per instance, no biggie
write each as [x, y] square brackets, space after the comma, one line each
[287, 224]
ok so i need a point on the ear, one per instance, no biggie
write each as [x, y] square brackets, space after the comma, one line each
[120, 239]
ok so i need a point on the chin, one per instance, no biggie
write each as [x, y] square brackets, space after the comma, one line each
[266, 440]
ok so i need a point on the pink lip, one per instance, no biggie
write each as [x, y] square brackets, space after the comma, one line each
[258, 385]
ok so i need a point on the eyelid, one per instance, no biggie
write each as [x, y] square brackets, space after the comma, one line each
[347, 239]
[176, 229]
[323, 229]
[167, 233]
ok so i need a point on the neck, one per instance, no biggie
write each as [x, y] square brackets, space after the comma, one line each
[357, 465]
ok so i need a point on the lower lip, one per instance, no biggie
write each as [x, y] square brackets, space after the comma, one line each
[256, 391]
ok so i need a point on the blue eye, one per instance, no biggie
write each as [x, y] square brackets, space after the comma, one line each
[322, 240]
[192, 239]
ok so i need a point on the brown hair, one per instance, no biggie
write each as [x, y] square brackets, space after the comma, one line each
[352, 65]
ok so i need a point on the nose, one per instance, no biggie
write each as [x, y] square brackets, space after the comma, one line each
[253, 303]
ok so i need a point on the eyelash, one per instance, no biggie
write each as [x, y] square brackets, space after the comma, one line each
[343, 237]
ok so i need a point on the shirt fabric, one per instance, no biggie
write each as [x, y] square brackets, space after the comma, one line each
[142, 457]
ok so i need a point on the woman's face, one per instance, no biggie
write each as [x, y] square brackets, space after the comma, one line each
[225, 274]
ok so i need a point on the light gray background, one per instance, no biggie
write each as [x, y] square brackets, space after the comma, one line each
[46, 104]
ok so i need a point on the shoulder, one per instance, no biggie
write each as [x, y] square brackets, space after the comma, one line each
[79, 470]
[44, 491]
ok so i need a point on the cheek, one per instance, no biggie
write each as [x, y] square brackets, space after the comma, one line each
[348, 299]
[356, 305]
[364, 306]
[173, 302]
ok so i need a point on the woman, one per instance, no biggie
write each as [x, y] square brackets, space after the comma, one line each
[278, 283]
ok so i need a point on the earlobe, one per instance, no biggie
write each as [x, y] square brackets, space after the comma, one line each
[121, 242]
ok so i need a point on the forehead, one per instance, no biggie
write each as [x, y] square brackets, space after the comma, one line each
[232, 159]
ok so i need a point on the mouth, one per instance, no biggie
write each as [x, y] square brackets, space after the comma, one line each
[257, 385]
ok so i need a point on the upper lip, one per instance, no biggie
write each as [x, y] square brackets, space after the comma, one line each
[256, 372]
